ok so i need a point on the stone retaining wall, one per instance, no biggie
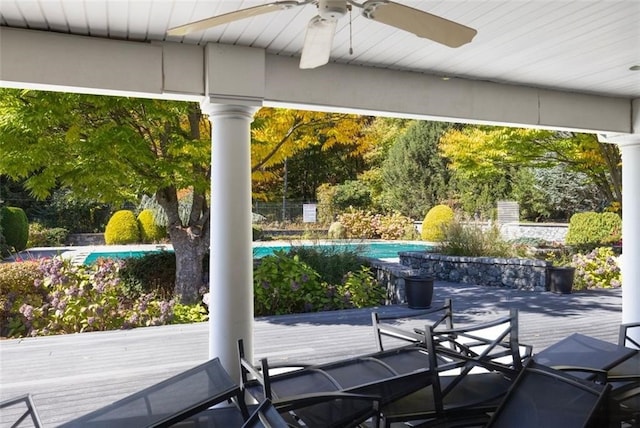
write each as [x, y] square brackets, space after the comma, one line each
[553, 232]
[523, 274]
[548, 231]
[391, 276]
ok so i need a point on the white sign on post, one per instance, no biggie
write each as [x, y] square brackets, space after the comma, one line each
[309, 213]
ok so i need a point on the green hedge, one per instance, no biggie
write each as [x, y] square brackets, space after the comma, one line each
[434, 223]
[122, 228]
[150, 232]
[590, 230]
[15, 226]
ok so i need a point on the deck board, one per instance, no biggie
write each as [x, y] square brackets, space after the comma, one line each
[69, 375]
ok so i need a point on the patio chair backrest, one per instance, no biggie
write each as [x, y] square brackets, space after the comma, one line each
[265, 416]
[544, 397]
[169, 401]
[383, 328]
[20, 408]
[626, 338]
[491, 346]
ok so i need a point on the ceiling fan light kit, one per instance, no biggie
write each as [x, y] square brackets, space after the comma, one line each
[321, 29]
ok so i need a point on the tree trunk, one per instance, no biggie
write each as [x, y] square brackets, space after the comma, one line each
[190, 243]
[189, 255]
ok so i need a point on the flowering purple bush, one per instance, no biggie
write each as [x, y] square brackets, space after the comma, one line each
[85, 298]
[597, 269]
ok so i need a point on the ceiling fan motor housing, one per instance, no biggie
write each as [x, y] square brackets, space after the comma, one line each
[332, 9]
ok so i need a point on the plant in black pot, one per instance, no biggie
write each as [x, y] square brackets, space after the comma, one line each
[560, 272]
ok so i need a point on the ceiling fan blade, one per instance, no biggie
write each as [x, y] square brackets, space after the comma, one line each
[418, 22]
[232, 16]
[318, 42]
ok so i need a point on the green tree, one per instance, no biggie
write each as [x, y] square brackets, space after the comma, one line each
[115, 149]
[382, 132]
[415, 175]
[482, 154]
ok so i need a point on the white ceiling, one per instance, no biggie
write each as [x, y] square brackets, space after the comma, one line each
[580, 46]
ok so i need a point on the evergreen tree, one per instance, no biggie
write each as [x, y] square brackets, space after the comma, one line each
[415, 175]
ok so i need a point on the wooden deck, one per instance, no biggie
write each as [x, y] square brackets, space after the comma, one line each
[70, 375]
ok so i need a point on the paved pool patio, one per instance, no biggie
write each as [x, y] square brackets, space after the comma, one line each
[69, 375]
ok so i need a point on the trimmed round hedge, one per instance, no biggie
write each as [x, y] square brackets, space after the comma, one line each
[122, 228]
[15, 227]
[437, 218]
[150, 232]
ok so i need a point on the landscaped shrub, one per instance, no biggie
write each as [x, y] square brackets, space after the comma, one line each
[41, 236]
[20, 283]
[122, 228]
[15, 227]
[337, 231]
[285, 285]
[471, 240]
[395, 226]
[597, 269]
[331, 263]
[86, 298]
[187, 314]
[589, 230]
[257, 233]
[436, 219]
[360, 224]
[150, 232]
[151, 273]
[361, 290]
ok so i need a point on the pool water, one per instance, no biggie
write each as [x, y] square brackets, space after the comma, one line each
[378, 250]
[91, 258]
[374, 249]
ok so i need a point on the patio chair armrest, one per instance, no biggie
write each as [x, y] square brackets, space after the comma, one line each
[473, 327]
[599, 375]
[302, 400]
[398, 333]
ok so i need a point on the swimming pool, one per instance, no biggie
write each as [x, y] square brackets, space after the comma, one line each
[374, 249]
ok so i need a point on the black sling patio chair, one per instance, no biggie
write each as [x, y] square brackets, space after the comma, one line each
[472, 369]
[297, 412]
[397, 336]
[625, 380]
[386, 375]
[171, 401]
[21, 410]
[265, 416]
[549, 398]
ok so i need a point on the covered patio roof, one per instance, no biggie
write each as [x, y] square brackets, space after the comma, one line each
[570, 65]
[564, 64]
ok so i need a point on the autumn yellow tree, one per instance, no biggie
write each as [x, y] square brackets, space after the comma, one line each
[278, 134]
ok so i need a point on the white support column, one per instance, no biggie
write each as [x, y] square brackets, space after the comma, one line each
[231, 261]
[630, 150]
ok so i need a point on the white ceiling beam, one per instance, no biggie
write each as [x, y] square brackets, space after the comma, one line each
[52, 61]
[365, 90]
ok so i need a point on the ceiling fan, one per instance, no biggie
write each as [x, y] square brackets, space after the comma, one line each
[321, 29]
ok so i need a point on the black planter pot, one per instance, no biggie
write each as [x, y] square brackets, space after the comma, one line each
[560, 279]
[419, 291]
